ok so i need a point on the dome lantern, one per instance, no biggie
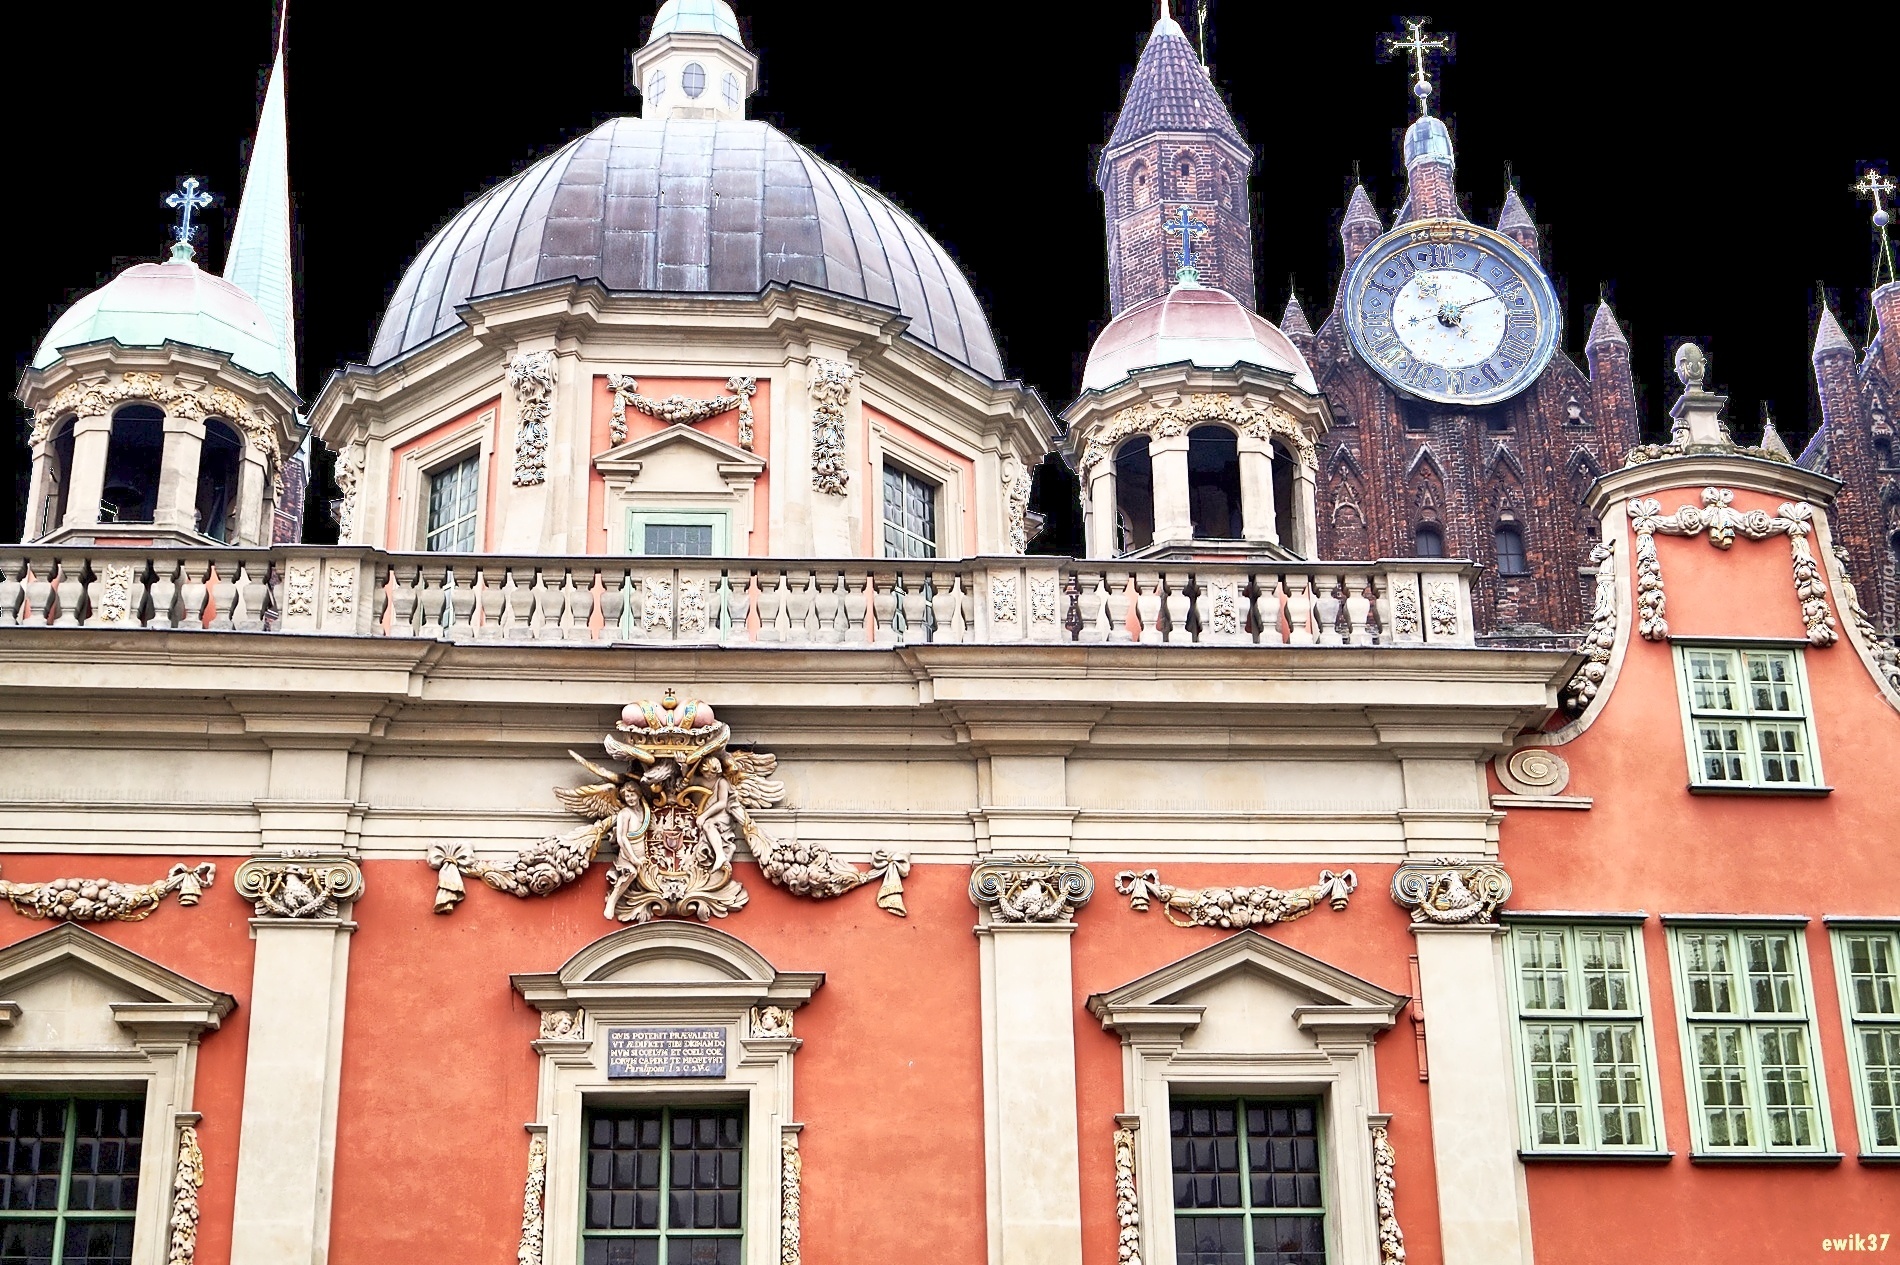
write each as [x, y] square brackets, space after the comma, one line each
[695, 64]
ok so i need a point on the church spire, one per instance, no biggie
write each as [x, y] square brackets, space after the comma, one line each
[1515, 221]
[259, 260]
[1361, 225]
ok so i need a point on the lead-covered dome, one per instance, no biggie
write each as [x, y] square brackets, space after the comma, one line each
[149, 305]
[1191, 324]
[683, 205]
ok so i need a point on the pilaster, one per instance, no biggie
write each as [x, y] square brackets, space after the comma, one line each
[252, 494]
[1256, 490]
[91, 437]
[1168, 458]
[1101, 506]
[178, 473]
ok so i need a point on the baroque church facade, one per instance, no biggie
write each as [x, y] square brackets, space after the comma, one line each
[681, 821]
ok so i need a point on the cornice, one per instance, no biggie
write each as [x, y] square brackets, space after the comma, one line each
[1713, 468]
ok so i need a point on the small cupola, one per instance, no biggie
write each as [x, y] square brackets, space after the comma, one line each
[695, 64]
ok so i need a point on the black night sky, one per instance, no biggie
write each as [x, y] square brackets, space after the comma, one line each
[1699, 166]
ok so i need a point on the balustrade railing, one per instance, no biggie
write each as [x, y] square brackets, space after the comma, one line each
[728, 601]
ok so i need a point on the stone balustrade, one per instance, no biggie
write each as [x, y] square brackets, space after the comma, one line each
[354, 591]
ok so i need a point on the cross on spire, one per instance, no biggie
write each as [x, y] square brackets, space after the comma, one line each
[1187, 228]
[1873, 184]
[1417, 46]
[185, 201]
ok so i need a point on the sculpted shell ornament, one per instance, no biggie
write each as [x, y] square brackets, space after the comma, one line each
[105, 900]
[675, 819]
[1232, 907]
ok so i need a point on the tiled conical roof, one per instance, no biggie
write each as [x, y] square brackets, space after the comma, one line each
[1514, 214]
[1294, 323]
[1830, 337]
[1604, 329]
[1359, 208]
[1171, 92]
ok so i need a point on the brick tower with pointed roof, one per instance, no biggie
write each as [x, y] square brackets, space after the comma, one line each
[1175, 145]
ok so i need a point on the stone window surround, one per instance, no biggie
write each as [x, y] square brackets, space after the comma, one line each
[420, 463]
[162, 1063]
[953, 491]
[665, 973]
[1338, 1070]
[619, 469]
[1838, 927]
[1678, 646]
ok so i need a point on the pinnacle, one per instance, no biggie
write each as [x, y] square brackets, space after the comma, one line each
[1359, 207]
[1294, 323]
[1604, 329]
[1771, 440]
[1514, 215]
[1830, 337]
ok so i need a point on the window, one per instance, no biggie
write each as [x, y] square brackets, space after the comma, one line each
[656, 87]
[1748, 1046]
[693, 80]
[1214, 483]
[1867, 964]
[69, 1179]
[219, 459]
[665, 1185]
[133, 457]
[452, 500]
[1428, 541]
[1134, 496]
[1510, 544]
[730, 88]
[910, 515]
[678, 540]
[1584, 1064]
[1247, 1185]
[1747, 718]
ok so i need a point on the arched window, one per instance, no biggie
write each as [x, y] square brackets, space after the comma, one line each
[1184, 175]
[1283, 493]
[656, 87]
[218, 463]
[59, 475]
[1214, 483]
[1134, 496]
[133, 457]
[693, 80]
[1510, 543]
[1140, 186]
[730, 87]
[1428, 541]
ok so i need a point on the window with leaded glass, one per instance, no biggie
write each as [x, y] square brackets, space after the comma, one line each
[1583, 1043]
[1747, 717]
[1247, 1187]
[1748, 1042]
[453, 493]
[1867, 965]
[910, 515]
[677, 540]
[69, 1178]
[665, 1186]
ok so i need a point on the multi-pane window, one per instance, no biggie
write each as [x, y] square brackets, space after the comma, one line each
[1747, 718]
[1583, 1048]
[677, 540]
[1428, 541]
[1867, 960]
[1748, 1041]
[1510, 547]
[1247, 1187]
[665, 1186]
[69, 1179]
[452, 501]
[910, 515]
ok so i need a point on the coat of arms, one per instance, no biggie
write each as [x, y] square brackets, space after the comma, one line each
[675, 818]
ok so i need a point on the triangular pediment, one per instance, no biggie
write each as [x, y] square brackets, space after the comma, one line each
[636, 451]
[68, 988]
[1243, 954]
[69, 947]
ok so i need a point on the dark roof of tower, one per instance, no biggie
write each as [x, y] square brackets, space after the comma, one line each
[1514, 214]
[689, 206]
[1604, 329]
[1359, 209]
[1171, 92]
[1829, 337]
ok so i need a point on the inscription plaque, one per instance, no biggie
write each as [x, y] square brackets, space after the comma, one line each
[675, 1053]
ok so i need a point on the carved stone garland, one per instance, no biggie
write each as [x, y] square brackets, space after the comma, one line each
[106, 900]
[1600, 638]
[1231, 907]
[1723, 522]
[1451, 893]
[1165, 423]
[298, 885]
[196, 403]
[791, 1173]
[349, 472]
[830, 391]
[1384, 1161]
[1885, 654]
[676, 819]
[1127, 1205]
[1031, 889]
[186, 1183]
[531, 374]
[681, 409]
[1016, 493]
[533, 1202]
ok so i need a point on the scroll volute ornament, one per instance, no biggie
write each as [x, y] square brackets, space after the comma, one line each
[298, 885]
[106, 900]
[1451, 893]
[1032, 889]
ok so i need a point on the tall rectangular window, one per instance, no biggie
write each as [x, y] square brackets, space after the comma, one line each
[453, 492]
[1748, 1040]
[1867, 965]
[1247, 1187]
[1584, 1060]
[69, 1178]
[665, 1186]
[1747, 718]
[910, 515]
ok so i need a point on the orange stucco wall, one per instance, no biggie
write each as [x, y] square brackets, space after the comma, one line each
[393, 529]
[1648, 844]
[873, 520]
[724, 427]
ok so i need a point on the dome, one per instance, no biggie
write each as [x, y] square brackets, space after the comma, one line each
[1209, 329]
[149, 305]
[696, 17]
[1426, 140]
[683, 205]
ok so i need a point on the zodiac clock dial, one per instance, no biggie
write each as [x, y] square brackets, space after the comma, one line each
[1450, 312]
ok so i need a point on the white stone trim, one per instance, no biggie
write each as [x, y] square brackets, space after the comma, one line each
[418, 464]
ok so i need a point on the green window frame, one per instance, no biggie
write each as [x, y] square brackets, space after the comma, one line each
[910, 513]
[664, 1186]
[453, 504]
[640, 540]
[1750, 1059]
[1586, 1056]
[69, 1177]
[1867, 972]
[1249, 1180]
[1746, 719]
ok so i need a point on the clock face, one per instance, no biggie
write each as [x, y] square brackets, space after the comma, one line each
[1451, 312]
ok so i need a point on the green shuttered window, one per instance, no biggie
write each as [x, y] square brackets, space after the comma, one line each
[1247, 1188]
[664, 1186]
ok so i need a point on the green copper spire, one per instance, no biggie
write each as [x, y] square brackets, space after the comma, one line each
[259, 261]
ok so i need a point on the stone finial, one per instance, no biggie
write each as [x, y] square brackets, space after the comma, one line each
[1691, 366]
[1829, 337]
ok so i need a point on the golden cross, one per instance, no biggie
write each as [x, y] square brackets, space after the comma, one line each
[1417, 45]
[1876, 186]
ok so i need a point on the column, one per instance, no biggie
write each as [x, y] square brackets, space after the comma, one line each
[178, 473]
[91, 437]
[39, 482]
[1305, 529]
[1102, 510]
[252, 492]
[1256, 490]
[1169, 460]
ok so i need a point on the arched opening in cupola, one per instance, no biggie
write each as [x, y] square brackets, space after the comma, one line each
[133, 457]
[1134, 496]
[1283, 465]
[218, 463]
[1214, 483]
[59, 477]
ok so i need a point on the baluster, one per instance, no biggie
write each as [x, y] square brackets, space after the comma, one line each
[491, 601]
[1121, 597]
[222, 597]
[463, 603]
[402, 599]
[252, 595]
[828, 611]
[1326, 609]
[1092, 604]
[517, 607]
[854, 606]
[11, 590]
[1382, 606]
[783, 592]
[430, 598]
[1148, 606]
[1299, 610]
[164, 593]
[883, 605]
[943, 609]
[70, 592]
[1357, 608]
[916, 608]
[192, 593]
[745, 610]
[579, 600]
[795, 620]
[1178, 605]
[544, 609]
[613, 602]
[632, 609]
[38, 591]
[1272, 602]
[771, 601]
[722, 608]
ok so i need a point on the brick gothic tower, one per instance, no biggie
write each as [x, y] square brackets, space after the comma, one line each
[1174, 145]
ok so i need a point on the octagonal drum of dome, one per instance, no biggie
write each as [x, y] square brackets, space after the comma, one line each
[690, 206]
